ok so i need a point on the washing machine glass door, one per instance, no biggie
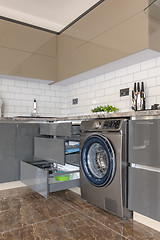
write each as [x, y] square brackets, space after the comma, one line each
[98, 160]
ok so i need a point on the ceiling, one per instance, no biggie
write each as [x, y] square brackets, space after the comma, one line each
[50, 14]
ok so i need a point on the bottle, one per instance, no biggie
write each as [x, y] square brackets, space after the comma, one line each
[138, 97]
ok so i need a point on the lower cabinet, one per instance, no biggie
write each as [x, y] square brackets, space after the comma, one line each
[45, 177]
[56, 159]
[144, 193]
[16, 144]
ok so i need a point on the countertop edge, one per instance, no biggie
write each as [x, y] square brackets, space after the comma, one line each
[83, 117]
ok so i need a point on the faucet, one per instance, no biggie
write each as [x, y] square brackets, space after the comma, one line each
[34, 113]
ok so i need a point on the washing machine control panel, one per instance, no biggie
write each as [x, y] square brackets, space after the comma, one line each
[112, 124]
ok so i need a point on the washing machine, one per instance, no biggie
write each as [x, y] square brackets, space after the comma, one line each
[104, 164]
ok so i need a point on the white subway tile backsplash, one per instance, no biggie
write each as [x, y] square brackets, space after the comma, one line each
[154, 72]
[121, 72]
[44, 98]
[99, 78]
[104, 84]
[148, 64]
[19, 96]
[109, 75]
[95, 87]
[158, 80]
[4, 88]
[49, 93]
[27, 90]
[33, 85]
[9, 109]
[114, 82]
[127, 79]
[19, 83]
[14, 89]
[8, 82]
[81, 84]
[158, 61]
[90, 81]
[38, 92]
[154, 91]
[150, 101]
[26, 103]
[45, 86]
[139, 76]
[100, 93]
[133, 68]
[6, 95]
[21, 109]
[109, 91]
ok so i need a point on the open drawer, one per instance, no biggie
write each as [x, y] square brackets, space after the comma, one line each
[45, 177]
[58, 150]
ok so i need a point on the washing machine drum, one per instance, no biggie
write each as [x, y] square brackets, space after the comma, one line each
[98, 160]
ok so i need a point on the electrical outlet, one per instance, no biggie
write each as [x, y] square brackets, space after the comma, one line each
[124, 92]
[75, 101]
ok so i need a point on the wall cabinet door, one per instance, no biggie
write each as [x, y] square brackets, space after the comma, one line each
[113, 30]
[27, 52]
[124, 39]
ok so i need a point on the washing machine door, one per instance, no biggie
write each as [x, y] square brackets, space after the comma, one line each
[98, 160]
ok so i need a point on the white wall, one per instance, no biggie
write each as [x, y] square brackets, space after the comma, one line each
[105, 89]
[56, 99]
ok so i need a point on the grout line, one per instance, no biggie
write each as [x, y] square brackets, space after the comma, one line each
[29, 225]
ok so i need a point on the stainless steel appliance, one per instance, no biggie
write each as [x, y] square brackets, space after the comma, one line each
[144, 170]
[103, 167]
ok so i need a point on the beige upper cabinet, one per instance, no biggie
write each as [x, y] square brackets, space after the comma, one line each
[113, 30]
[27, 52]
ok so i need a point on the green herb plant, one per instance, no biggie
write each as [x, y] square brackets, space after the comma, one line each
[107, 109]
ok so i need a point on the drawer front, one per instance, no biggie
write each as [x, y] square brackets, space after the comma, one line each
[73, 159]
[144, 142]
[54, 187]
[56, 129]
[49, 149]
[75, 129]
[144, 194]
[44, 177]
[65, 129]
[35, 178]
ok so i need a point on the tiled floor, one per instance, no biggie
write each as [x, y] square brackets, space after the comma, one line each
[65, 216]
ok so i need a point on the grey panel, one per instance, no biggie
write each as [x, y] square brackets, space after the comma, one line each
[64, 185]
[72, 159]
[144, 142]
[8, 168]
[56, 129]
[49, 149]
[75, 129]
[25, 140]
[16, 144]
[35, 178]
[144, 192]
[25, 133]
